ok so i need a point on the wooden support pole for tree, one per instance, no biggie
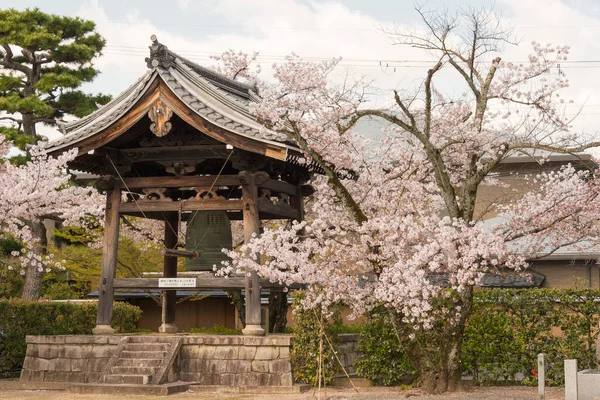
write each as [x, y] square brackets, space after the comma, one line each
[541, 377]
[169, 297]
[251, 226]
[109, 263]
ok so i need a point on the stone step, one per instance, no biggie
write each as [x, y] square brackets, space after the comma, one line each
[138, 362]
[127, 379]
[152, 339]
[151, 355]
[133, 370]
[147, 346]
[117, 391]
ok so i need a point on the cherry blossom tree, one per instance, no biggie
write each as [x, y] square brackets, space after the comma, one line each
[36, 191]
[42, 190]
[393, 221]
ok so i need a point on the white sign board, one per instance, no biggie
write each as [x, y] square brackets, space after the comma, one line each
[176, 282]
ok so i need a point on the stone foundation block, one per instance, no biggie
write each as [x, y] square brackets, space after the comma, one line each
[260, 366]
[266, 353]
[284, 352]
[79, 365]
[226, 352]
[247, 353]
[238, 366]
[280, 366]
[197, 351]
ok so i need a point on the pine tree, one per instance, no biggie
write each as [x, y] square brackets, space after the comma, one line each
[45, 59]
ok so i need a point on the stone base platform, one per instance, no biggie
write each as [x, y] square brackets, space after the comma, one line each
[250, 389]
[214, 360]
[149, 390]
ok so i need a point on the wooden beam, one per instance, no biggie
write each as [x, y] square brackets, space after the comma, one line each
[206, 282]
[249, 182]
[178, 181]
[169, 298]
[186, 205]
[158, 215]
[109, 263]
[280, 187]
[282, 212]
[174, 153]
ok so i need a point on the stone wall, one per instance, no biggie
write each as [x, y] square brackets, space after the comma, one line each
[203, 359]
[67, 358]
[236, 360]
[348, 352]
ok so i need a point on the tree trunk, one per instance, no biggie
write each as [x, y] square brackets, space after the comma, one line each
[239, 302]
[278, 307]
[435, 353]
[34, 277]
[28, 122]
[444, 375]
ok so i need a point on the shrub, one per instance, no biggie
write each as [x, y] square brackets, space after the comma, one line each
[215, 330]
[381, 359]
[307, 340]
[20, 317]
[509, 328]
[61, 291]
[506, 331]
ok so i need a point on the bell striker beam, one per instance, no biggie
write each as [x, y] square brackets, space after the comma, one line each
[249, 181]
[109, 256]
[169, 297]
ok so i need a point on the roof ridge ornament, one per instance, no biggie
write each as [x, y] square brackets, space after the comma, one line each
[160, 56]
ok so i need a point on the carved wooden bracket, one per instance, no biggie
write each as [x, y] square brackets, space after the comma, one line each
[154, 194]
[160, 115]
[202, 193]
[249, 178]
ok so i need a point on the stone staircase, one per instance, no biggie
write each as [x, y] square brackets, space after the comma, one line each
[143, 360]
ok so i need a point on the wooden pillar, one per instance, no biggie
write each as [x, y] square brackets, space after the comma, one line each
[169, 297]
[251, 226]
[109, 262]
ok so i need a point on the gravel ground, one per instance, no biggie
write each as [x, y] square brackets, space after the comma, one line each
[493, 393]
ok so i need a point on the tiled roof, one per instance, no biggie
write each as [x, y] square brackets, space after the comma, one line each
[218, 99]
[508, 279]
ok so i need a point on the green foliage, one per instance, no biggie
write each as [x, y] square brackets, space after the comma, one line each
[311, 332]
[40, 82]
[381, 359]
[11, 283]
[215, 330]
[83, 262]
[509, 328]
[19, 318]
[17, 138]
[503, 336]
[61, 291]
[81, 104]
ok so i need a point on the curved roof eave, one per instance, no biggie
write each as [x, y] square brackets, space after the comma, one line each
[107, 115]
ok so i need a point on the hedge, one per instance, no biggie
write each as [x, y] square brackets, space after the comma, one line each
[20, 317]
[312, 329]
[504, 335]
[509, 328]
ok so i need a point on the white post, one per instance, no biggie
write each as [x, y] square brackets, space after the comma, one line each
[541, 378]
[571, 380]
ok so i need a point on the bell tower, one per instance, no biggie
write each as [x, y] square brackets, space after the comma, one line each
[180, 145]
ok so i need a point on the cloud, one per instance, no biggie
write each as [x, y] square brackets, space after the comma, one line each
[326, 29]
[183, 4]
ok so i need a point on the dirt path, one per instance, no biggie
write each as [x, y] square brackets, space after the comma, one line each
[495, 393]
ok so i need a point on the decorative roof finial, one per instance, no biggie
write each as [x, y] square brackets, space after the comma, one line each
[160, 56]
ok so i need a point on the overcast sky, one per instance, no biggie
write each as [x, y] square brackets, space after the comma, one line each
[351, 29]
